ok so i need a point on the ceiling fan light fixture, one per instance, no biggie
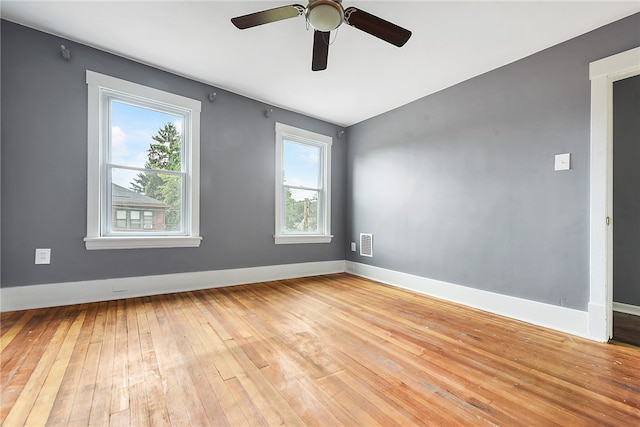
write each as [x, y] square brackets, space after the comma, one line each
[324, 15]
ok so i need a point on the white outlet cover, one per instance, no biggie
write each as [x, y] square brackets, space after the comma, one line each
[563, 162]
[43, 256]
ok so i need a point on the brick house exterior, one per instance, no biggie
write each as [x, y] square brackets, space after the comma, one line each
[131, 211]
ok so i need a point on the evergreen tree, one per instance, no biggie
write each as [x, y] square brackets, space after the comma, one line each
[163, 155]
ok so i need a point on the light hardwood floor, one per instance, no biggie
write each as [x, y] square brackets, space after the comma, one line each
[327, 351]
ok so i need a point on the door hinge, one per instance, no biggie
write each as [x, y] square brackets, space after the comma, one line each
[608, 220]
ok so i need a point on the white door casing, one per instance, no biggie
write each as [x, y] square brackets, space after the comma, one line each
[603, 73]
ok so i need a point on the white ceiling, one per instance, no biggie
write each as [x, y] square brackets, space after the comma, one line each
[452, 41]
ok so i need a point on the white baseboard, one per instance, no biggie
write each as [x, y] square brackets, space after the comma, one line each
[57, 294]
[626, 308]
[598, 323]
[562, 319]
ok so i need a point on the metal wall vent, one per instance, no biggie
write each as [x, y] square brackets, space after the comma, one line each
[366, 244]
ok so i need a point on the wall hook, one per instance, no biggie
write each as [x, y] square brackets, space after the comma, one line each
[66, 53]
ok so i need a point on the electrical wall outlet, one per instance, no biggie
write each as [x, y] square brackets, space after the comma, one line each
[43, 256]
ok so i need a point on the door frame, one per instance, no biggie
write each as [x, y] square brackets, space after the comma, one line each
[603, 73]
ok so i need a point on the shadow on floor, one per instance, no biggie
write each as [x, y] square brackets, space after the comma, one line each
[626, 328]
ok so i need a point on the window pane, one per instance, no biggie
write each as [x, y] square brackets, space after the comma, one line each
[121, 220]
[136, 190]
[301, 164]
[300, 211]
[145, 138]
[148, 220]
[135, 219]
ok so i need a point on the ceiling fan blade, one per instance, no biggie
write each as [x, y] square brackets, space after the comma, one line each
[377, 27]
[267, 16]
[320, 50]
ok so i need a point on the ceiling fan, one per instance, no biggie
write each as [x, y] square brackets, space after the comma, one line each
[325, 16]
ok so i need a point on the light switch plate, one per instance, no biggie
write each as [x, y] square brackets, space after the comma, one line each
[563, 162]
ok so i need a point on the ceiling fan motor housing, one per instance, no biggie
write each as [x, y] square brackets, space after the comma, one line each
[324, 15]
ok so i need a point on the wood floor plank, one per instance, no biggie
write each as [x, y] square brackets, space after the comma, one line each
[250, 408]
[23, 353]
[210, 362]
[155, 397]
[120, 375]
[85, 390]
[626, 328]
[166, 358]
[20, 409]
[31, 378]
[328, 350]
[175, 362]
[41, 409]
[62, 407]
[13, 327]
[136, 384]
[190, 341]
[101, 402]
[275, 410]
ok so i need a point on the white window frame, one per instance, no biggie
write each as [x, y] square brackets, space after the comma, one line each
[286, 132]
[97, 185]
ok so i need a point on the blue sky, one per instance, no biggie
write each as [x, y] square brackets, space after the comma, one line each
[300, 166]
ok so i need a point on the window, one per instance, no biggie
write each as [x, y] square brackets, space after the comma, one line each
[303, 186]
[143, 166]
[121, 219]
[148, 220]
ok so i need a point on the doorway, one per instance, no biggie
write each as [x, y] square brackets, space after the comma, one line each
[603, 73]
[626, 208]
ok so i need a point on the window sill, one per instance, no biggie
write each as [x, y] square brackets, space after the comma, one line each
[295, 239]
[137, 242]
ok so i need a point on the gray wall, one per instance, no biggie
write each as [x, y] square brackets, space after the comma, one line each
[460, 186]
[44, 169]
[626, 191]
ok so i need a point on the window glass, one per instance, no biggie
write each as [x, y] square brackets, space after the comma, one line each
[142, 143]
[148, 220]
[138, 136]
[301, 164]
[121, 219]
[300, 211]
